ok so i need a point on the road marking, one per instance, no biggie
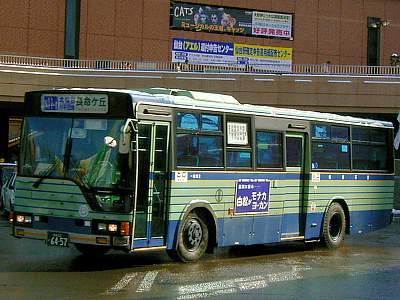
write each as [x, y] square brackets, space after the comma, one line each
[230, 286]
[123, 283]
[147, 282]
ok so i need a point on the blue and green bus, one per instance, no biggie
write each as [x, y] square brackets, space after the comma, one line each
[188, 171]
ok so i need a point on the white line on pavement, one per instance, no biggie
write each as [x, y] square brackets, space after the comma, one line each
[123, 283]
[147, 282]
[230, 286]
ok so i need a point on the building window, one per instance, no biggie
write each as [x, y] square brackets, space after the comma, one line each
[72, 28]
[373, 43]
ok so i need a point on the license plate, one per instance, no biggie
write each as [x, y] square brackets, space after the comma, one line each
[57, 239]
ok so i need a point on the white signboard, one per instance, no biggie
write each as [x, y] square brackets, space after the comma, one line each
[231, 54]
[75, 103]
[315, 177]
[272, 24]
[237, 133]
[181, 176]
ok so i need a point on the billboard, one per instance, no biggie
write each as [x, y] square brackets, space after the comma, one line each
[235, 21]
[252, 196]
[231, 54]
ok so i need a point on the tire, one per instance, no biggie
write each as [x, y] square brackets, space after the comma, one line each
[192, 239]
[1, 202]
[334, 227]
[91, 250]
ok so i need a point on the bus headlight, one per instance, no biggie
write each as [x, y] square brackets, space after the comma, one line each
[102, 226]
[20, 219]
[23, 219]
[112, 227]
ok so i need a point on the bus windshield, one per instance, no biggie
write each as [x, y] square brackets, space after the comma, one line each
[84, 150]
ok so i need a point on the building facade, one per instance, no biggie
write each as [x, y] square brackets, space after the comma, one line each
[357, 32]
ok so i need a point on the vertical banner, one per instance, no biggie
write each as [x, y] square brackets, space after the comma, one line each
[252, 196]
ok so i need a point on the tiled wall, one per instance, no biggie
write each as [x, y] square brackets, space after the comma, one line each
[324, 30]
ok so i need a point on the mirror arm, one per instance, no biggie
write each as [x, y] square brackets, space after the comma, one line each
[130, 125]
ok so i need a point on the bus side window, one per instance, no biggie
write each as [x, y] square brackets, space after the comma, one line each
[269, 149]
[238, 159]
[187, 151]
[199, 140]
[330, 151]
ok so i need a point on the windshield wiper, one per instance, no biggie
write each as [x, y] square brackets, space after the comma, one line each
[82, 180]
[45, 174]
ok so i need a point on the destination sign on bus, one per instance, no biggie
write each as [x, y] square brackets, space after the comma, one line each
[75, 103]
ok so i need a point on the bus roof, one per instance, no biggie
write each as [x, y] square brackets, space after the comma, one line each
[226, 103]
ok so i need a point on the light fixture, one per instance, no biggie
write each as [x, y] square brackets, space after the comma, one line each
[373, 25]
[112, 227]
[379, 24]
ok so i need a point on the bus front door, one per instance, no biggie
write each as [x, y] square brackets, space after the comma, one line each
[293, 216]
[149, 229]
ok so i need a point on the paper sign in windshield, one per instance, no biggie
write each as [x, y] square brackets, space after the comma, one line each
[252, 196]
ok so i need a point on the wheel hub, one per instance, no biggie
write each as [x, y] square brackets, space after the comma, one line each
[193, 234]
[335, 227]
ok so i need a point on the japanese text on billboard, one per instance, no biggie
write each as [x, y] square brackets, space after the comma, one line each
[235, 21]
[252, 196]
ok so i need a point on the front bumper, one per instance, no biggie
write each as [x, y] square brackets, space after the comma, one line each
[75, 238]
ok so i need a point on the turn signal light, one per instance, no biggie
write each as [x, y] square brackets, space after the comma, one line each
[124, 229]
[11, 217]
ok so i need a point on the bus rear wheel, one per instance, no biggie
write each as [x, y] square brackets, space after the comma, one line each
[334, 226]
[193, 238]
[91, 250]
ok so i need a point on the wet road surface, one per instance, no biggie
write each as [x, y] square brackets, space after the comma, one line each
[366, 267]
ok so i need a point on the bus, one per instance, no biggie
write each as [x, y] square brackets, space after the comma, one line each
[189, 171]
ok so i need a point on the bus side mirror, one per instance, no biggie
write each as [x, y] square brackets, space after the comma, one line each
[124, 142]
[125, 137]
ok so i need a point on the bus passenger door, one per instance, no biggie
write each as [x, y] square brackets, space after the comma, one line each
[293, 217]
[149, 229]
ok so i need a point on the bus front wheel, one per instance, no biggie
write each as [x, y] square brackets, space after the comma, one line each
[193, 238]
[334, 226]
